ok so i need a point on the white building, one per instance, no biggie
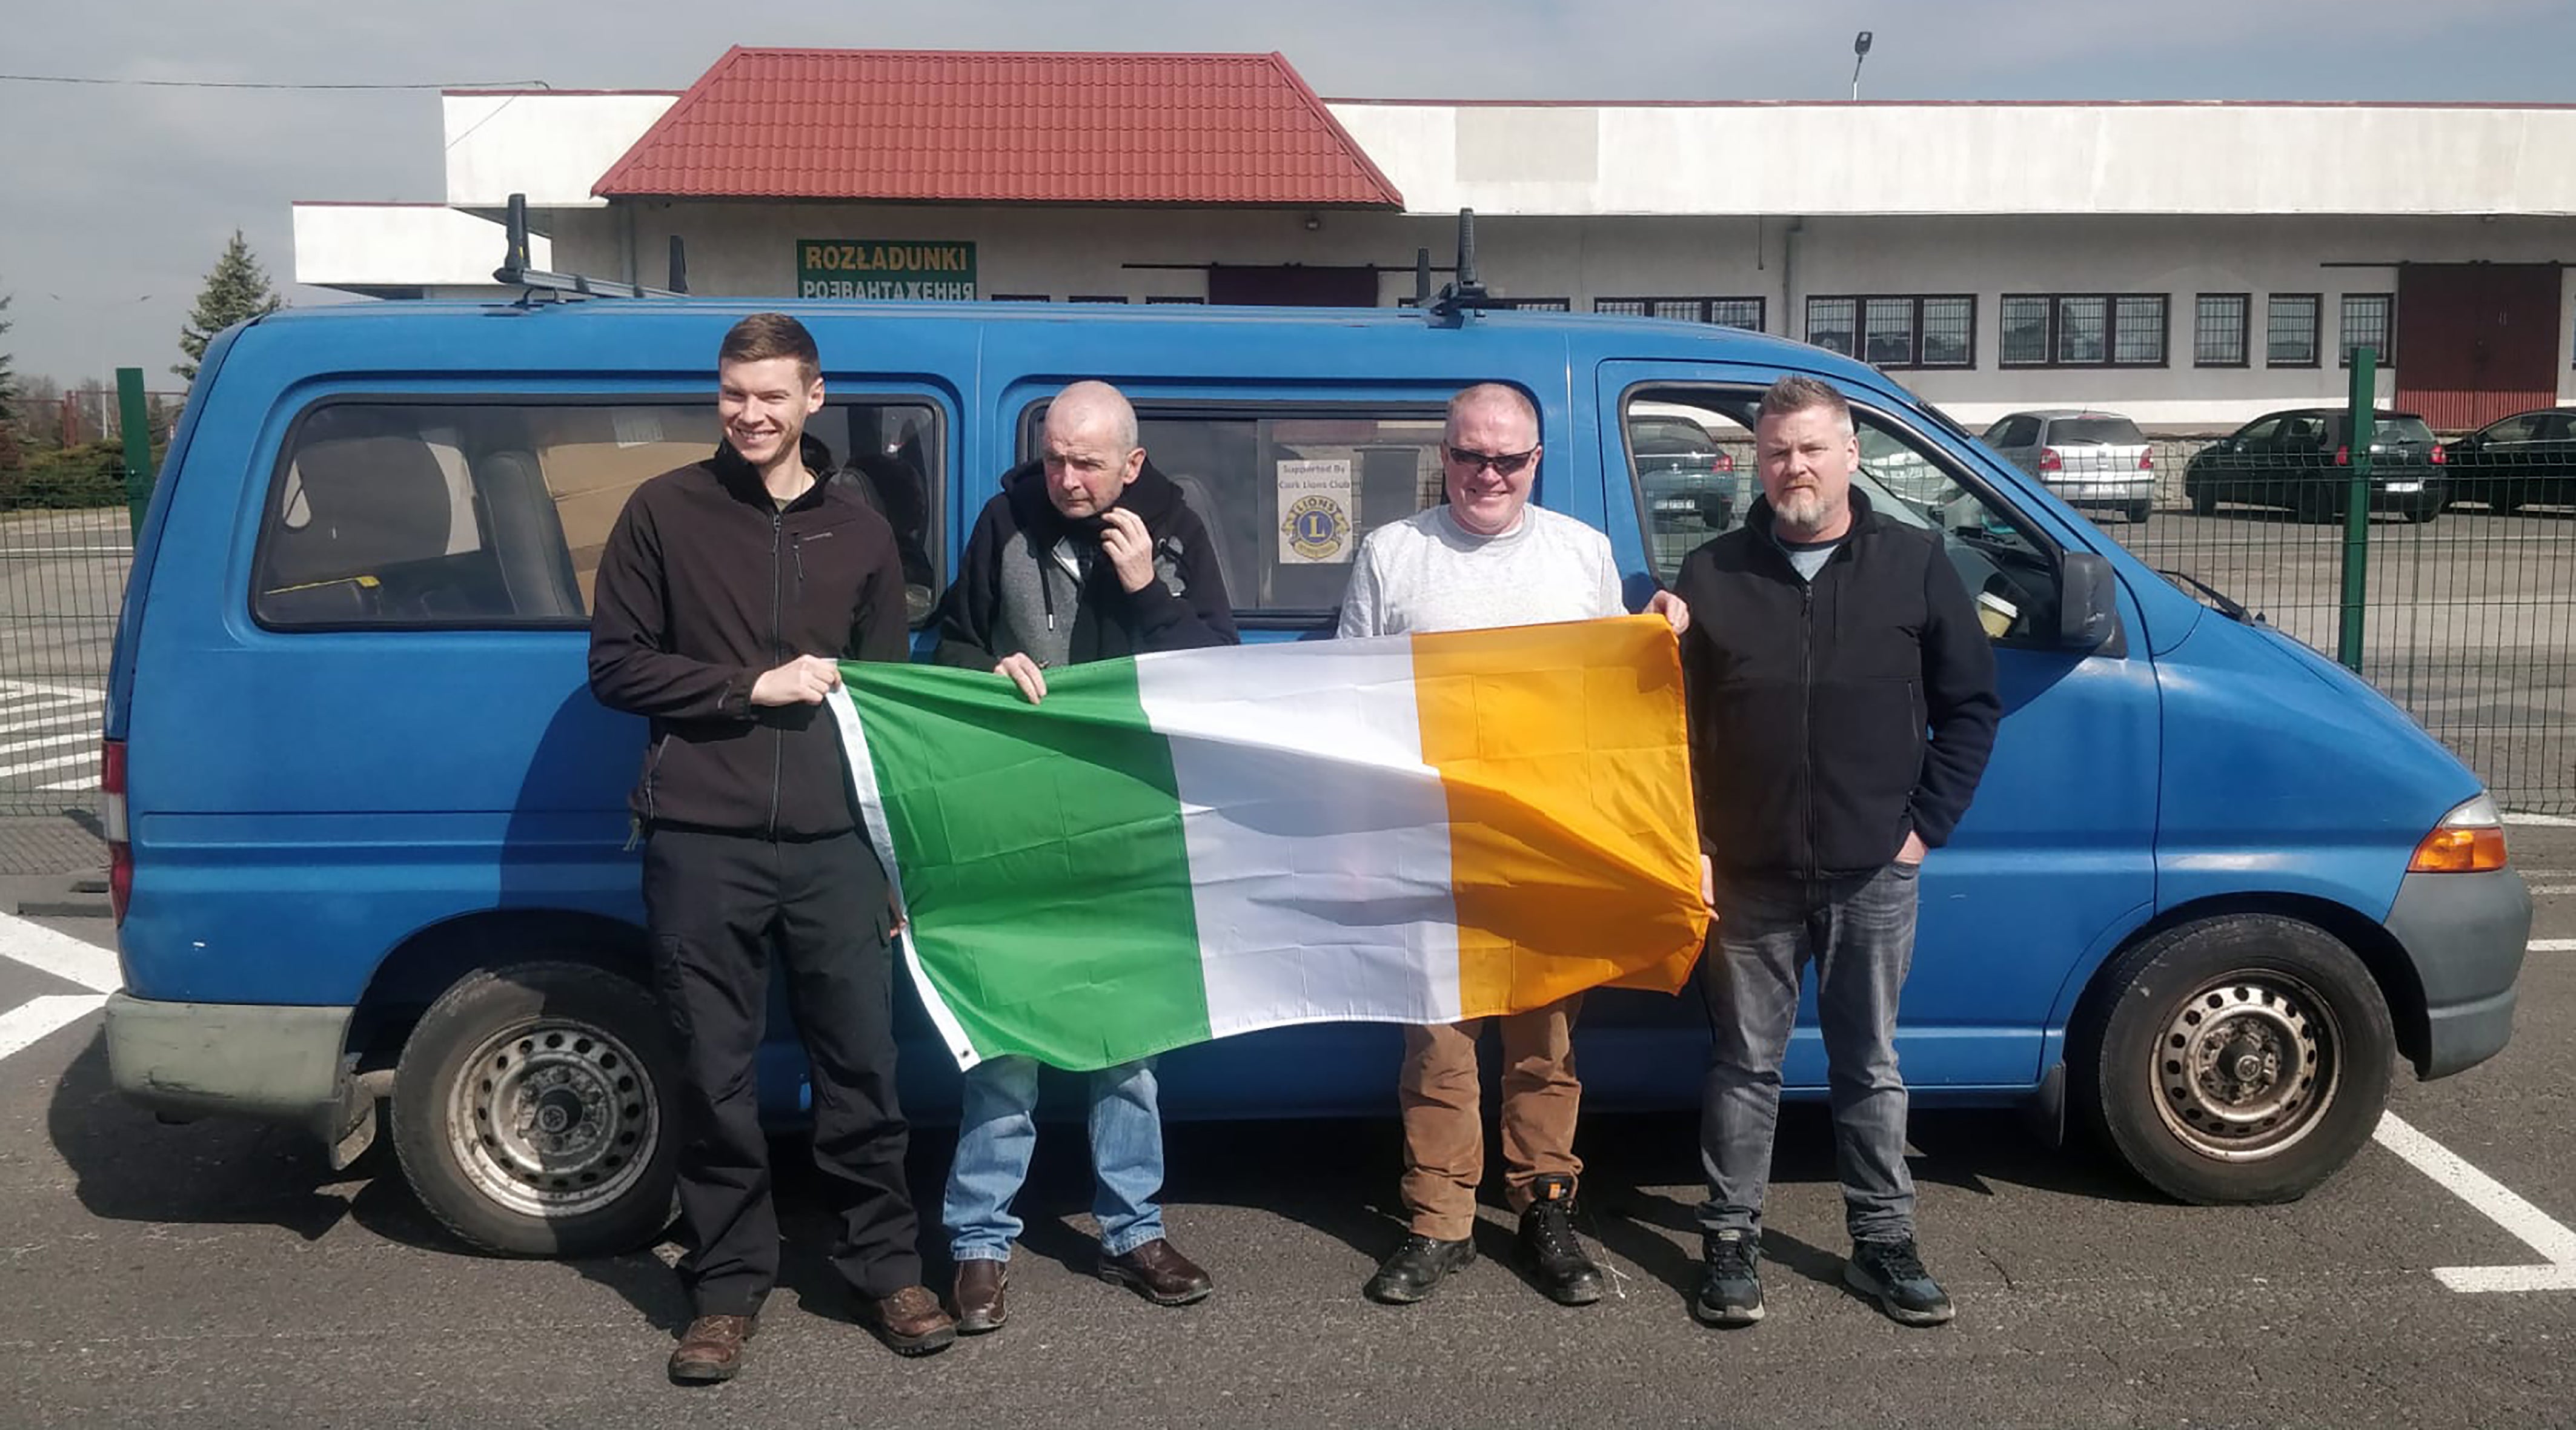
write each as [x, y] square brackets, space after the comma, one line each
[2190, 264]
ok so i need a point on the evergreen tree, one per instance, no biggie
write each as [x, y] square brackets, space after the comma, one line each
[237, 289]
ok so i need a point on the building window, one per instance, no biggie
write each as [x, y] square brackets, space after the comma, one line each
[1536, 305]
[2369, 322]
[1830, 324]
[1897, 331]
[2084, 329]
[1022, 298]
[2290, 330]
[2218, 338]
[2138, 331]
[1097, 298]
[1746, 313]
[1176, 300]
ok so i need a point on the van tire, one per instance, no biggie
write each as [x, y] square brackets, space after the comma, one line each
[2290, 1039]
[532, 1111]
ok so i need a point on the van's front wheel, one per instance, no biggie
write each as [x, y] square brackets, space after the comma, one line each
[529, 1111]
[2238, 1059]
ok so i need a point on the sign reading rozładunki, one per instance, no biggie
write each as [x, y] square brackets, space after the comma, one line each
[885, 268]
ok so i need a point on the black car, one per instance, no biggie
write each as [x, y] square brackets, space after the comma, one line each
[2526, 459]
[2301, 462]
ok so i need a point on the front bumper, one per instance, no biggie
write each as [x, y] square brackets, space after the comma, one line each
[263, 1061]
[2466, 935]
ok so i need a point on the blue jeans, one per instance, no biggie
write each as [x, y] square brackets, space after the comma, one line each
[1859, 933]
[997, 1131]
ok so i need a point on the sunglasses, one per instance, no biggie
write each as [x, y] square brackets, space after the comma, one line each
[1505, 464]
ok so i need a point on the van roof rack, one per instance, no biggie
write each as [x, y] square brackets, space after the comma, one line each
[516, 272]
[1462, 295]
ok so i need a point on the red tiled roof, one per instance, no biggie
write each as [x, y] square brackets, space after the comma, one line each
[971, 127]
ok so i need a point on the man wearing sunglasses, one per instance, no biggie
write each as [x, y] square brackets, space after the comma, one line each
[1488, 558]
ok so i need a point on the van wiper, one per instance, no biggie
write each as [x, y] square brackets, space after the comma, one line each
[2227, 605]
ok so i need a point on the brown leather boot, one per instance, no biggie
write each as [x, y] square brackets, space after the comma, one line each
[711, 1349]
[1158, 1272]
[911, 1322]
[978, 1296]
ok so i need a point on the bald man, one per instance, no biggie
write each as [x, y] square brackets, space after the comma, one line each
[1087, 554]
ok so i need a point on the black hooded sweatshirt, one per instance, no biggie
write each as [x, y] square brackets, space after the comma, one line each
[705, 584]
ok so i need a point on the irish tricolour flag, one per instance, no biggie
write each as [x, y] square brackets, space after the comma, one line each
[1182, 846]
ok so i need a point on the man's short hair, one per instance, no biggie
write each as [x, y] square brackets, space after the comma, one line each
[1501, 393]
[763, 336]
[1796, 393]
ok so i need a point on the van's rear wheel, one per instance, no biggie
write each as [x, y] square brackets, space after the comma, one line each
[2239, 1059]
[529, 1111]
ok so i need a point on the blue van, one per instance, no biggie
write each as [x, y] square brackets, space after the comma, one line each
[370, 844]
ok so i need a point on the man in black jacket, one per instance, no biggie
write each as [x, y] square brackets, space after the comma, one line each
[1088, 553]
[1824, 638]
[727, 593]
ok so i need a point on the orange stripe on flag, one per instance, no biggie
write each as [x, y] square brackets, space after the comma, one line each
[1573, 856]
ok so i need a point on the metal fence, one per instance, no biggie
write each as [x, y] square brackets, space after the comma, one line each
[2463, 570]
[62, 578]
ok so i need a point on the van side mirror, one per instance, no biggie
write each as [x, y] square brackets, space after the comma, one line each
[2088, 607]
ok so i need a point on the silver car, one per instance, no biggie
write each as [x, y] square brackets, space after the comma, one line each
[2088, 458]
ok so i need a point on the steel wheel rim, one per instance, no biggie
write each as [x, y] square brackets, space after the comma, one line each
[2247, 1066]
[553, 1117]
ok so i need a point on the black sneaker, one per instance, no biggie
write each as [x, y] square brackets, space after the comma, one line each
[1415, 1267]
[1890, 1273]
[1730, 1283]
[1550, 1249]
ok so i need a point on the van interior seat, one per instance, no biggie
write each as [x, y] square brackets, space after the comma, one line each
[375, 494]
[525, 535]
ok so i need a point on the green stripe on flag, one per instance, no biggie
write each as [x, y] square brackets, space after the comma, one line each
[1041, 858]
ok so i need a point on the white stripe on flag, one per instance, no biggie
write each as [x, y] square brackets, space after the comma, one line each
[863, 774]
[1318, 840]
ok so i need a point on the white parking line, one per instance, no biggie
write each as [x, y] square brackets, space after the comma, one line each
[60, 954]
[2492, 1199]
[2551, 945]
[37, 1017]
[29, 767]
[77, 737]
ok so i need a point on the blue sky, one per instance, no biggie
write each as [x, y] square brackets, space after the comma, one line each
[118, 199]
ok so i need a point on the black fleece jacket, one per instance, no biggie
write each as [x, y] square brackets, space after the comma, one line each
[704, 584]
[1809, 700]
[1017, 590]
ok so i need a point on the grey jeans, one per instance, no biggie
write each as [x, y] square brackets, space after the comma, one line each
[1859, 934]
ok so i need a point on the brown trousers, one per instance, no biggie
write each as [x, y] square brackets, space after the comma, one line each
[1444, 1129]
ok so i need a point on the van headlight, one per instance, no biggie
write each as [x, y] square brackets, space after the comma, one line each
[2469, 840]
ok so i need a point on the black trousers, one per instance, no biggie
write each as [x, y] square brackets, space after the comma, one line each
[717, 905]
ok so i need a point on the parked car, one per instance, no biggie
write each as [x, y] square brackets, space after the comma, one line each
[2528, 459]
[1682, 471]
[370, 854]
[2300, 461]
[2089, 458]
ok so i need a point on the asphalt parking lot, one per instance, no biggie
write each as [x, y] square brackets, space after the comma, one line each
[220, 1274]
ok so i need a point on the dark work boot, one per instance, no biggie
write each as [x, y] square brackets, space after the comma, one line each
[1407, 1275]
[1550, 1249]
[711, 1349]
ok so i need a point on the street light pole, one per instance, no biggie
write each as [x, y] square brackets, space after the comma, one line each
[1860, 54]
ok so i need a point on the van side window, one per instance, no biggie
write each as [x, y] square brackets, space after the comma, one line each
[436, 514]
[1690, 494]
[1287, 494]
